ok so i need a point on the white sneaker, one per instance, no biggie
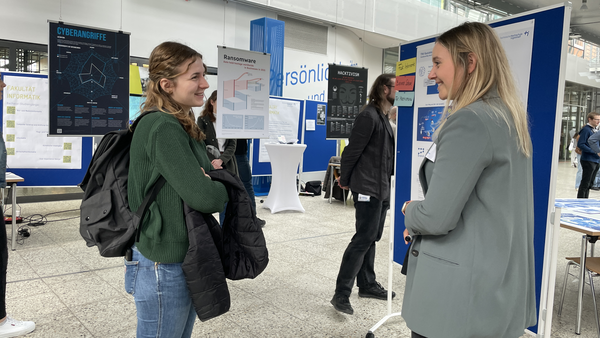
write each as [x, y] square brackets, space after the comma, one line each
[13, 328]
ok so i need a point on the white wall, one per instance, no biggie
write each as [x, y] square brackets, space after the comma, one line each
[344, 47]
[402, 19]
[576, 65]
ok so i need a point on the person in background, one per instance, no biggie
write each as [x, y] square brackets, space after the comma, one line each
[572, 146]
[579, 170]
[220, 151]
[573, 133]
[470, 270]
[9, 327]
[589, 158]
[167, 142]
[245, 173]
[367, 167]
[594, 143]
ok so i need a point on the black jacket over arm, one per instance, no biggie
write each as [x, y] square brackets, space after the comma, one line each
[368, 161]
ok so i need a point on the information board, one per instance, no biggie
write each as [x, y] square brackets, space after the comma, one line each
[89, 80]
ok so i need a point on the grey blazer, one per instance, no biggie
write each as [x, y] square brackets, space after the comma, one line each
[471, 266]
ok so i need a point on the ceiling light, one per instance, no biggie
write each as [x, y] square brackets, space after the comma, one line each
[584, 5]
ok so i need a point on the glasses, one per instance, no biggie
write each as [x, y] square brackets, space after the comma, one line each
[390, 86]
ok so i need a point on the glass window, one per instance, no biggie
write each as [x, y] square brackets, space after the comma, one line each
[390, 57]
[31, 61]
[4, 57]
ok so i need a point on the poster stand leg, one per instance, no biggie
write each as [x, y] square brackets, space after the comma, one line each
[371, 333]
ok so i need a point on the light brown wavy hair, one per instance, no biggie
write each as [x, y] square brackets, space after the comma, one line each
[164, 62]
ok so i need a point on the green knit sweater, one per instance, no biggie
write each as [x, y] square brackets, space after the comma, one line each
[161, 146]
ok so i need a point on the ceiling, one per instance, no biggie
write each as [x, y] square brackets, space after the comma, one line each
[585, 22]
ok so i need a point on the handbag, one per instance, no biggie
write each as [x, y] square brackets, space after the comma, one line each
[572, 145]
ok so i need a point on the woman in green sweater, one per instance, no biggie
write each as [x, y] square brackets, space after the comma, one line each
[168, 143]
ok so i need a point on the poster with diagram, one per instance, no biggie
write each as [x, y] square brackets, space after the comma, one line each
[25, 127]
[89, 80]
[243, 94]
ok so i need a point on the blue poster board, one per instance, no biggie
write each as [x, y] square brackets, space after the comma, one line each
[52, 177]
[544, 88]
[318, 149]
[264, 168]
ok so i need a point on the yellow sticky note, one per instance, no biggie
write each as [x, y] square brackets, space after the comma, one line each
[135, 84]
[406, 66]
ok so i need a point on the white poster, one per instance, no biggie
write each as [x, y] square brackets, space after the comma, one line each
[243, 94]
[517, 40]
[284, 118]
[25, 128]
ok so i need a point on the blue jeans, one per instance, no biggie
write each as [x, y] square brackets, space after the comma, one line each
[246, 176]
[163, 303]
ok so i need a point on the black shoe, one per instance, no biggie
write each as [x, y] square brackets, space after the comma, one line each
[374, 291]
[342, 304]
[595, 188]
[261, 222]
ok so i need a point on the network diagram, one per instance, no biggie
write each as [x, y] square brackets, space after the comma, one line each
[90, 74]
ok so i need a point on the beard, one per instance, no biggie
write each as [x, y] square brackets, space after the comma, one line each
[391, 99]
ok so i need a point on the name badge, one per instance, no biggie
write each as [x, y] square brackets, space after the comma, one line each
[431, 153]
[363, 198]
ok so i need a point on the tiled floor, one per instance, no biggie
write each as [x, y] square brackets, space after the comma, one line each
[70, 291]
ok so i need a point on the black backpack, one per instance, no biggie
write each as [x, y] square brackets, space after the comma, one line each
[106, 220]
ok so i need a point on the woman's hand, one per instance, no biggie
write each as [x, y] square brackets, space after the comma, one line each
[217, 163]
[406, 235]
[204, 172]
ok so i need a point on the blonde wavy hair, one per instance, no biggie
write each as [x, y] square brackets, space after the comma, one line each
[163, 64]
[491, 71]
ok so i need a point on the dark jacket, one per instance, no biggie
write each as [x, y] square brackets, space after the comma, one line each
[236, 251]
[368, 160]
[587, 154]
[227, 156]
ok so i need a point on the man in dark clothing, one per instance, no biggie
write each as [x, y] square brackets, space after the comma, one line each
[367, 166]
[589, 158]
[241, 156]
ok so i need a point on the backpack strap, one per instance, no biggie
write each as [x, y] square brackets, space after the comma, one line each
[150, 197]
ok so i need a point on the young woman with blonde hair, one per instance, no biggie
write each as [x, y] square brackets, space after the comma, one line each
[168, 143]
[470, 267]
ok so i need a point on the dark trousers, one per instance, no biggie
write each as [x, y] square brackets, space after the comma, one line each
[358, 261]
[246, 176]
[3, 265]
[587, 178]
